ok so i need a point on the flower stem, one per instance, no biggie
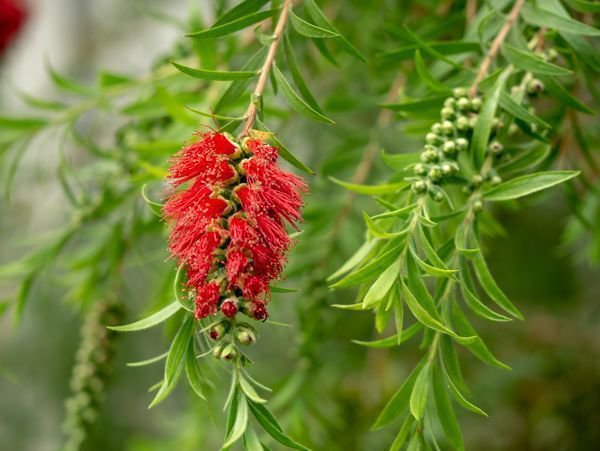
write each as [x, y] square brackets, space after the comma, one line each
[252, 110]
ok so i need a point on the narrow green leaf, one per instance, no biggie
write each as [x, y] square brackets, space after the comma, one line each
[424, 45]
[310, 30]
[402, 212]
[356, 259]
[432, 270]
[382, 285]
[295, 101]
[543, 18]
[526, 159]
[449, 358]
[251, 441]
[165, 389]
[240, 423]
[284, 151]
[460, 398]
[461, 241]
[192, 369]
[398, 313]
[483, 127]
[214, 75]
[420, 392]
[445, 48]
[400, 161]
[445, 412]
[477, 347]
[378, 232]
[560, 94]
[383, 313]
[491, 287]
[371, 189]
[528, 61]
[232, 26]
[527, 184]
[403, 433]
[322, 21]
[158, 358]
[283, 290]
[510, 106]
[426, 76]
[151, 320]
[479, 308]
[178, 348]
[297, 75]
[399, 402]
[413, 106]
[584, 6]
[69, 85]
[272, 427]
[420, 313]
[354, 307]
[249, 391]
[25, 123]
[240, 10]
[394, 340]
[429, 251]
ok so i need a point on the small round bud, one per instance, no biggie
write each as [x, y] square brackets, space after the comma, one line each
[437, 196]
[229, 308]
[463, 123]
[463, 104]
[449, 147]
[429, 156]
[436, 128]
[229, 352]
[495, 147]
[459, 92]
[477, 180]
[461, 144]
[217, 351]
[447, 113]
[219, 330]
[476, 103]
[432, 138]
[551, 54]
[473, 121]
[245, 335]
[430, 147]
[534, 86]
[447, 169]
[420, 169]
[450, 102]
[497, 124]
[477, 206]
[447, 128]
[513, 129]
[419, 187]
[495, 180]
[435, 173]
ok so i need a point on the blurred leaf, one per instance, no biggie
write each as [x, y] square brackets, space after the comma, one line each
[510, 106]
[309, 30]
[527, 184]
[371, 189]
[297, 75]
[445, 412]
[426, 76]
[240, 10]
[151, 320]
[526, 60]
[213, 74]
[399, 161]
[232, 26]
[272, 427]
[543, 18]
[392, 341]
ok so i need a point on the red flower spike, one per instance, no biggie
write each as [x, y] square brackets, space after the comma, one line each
[227, 221]
[12, 18]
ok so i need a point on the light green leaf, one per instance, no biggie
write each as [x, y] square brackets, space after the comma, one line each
[151, 320]
[459, 396]
[526, 159]
[479, 308]
[214, 74]
[179, 346]
[355, 260]
[297, 75]
[192, 369]
[382, 285]
[310, 30]
[354, 307]
[158, 358]
[378, 232]
[527, 184]
[248, 389]
[420, 392]
[232, 26]
[25, 123]
[432, 270]
[393, 340]
[461, 241]
[426, 76]
[399, 402]
[400, 161]
[272, 427]
[526, 60]
[403, 433]
[241, 420]
[295, 101]
[429, 251]
[416, 106]
[510, 106]
[420, 313]
[543, 18]
[371, 189]
[483, 127]
[445, 412]
[402, 212]
[240, 10]
[444, 47]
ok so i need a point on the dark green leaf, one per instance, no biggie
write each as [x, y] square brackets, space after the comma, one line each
[510, 106]
[232, 26]
[543, 18]
[272, 427]
[297, 75]
[423, 315]
[178, 348]
[560, 94]
[426, 76]
[240, 10]
[445, 412]
[295, 101]
[420, 392]
[357, 258]
[479, 308]
[526, 60]
[446, 48]
[584, 6]
[310, 30]
[213, 74]
[25, 123]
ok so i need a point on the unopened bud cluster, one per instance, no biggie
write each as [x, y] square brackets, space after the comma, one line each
[93, 366]
[444, 142]
[228, 336]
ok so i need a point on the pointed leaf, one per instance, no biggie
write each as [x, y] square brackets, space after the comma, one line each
[420, 392]
[232, 26]
[527, 184]
[214, 74]
[310, 30]
[382, 285]
[543, 18]
[528, 61]
[151, 320]
[371, 189]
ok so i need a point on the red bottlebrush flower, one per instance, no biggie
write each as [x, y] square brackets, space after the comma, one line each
[12, 18]
[227, 221]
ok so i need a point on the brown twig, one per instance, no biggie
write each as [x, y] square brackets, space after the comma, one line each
[491, 54]
[470, 11]
[252, 110]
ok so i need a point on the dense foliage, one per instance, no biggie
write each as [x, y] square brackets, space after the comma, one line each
[477, 105]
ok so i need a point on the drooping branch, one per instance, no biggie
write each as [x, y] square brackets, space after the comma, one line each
[252, 110]
[491, 54]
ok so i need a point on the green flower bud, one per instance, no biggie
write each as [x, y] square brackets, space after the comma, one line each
[432, 138]
[513, 129]
[459, 92]
[429, 156]
[448, 128]
[495, 180]
[551, 54]
[217, 351]
[430, 147]
[463, 104]
[435, 173]
[495, 147]
[245, 335]
[449, 147]
[473, 121]
[420, 169]
[419, 187]
[436, 128]
[229, 352]
[497, 124]
[447, 113]
[463, 123]
[450, 102]
[476, 103]
[477, 180]
[535, 86]
[447, 169]
[437, 196]
[461, 144]
[477, 206]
